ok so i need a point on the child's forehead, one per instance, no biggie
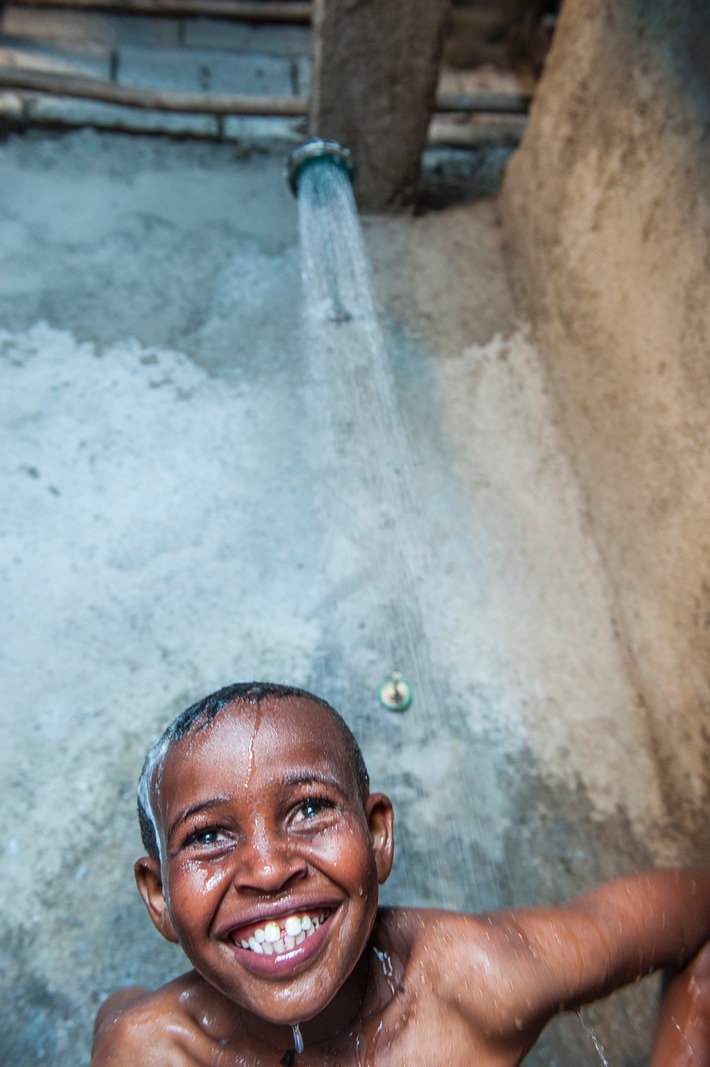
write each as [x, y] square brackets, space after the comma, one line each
[299, 726]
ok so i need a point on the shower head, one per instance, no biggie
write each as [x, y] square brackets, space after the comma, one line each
[311, 151]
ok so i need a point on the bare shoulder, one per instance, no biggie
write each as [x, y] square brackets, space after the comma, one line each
[171, 1024]
[447, 935]
[467, 975]
[478, 965]
[451, 946]
[140, 1000]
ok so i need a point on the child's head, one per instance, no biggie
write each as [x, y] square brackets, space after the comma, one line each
[257, 819]
[201, 714]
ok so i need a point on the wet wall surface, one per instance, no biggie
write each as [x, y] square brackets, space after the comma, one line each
[162, 537]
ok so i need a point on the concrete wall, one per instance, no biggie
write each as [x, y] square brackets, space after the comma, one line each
[165, 457]
[607, 220]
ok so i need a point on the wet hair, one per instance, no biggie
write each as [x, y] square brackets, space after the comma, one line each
[201, 714]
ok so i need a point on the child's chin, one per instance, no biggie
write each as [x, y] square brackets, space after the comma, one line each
[302, 1007]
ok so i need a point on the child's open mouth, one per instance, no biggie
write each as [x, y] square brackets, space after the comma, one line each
[279, 936]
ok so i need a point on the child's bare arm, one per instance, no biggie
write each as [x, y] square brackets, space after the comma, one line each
[613, 935]
[521, 967]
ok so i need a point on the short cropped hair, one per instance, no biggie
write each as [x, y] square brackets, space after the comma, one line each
[201, 714]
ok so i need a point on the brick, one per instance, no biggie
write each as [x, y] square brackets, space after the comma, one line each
[190, 70]
[289, 41]
[301, 76]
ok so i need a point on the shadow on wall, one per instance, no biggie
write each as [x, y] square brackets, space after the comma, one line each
[514, 34]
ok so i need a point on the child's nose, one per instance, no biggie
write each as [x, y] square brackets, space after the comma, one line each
[268, 862]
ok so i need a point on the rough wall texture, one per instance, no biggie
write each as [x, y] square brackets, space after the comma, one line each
[375, 67]
[164, 472]
[607, 220]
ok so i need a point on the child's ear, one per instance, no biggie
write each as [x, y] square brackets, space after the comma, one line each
[150, 887]
[380, 819]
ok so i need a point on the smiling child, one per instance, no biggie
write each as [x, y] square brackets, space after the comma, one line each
[265, 850]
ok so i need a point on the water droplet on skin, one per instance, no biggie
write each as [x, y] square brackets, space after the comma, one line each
[387, 968]
[252, 740]
[297, 1038]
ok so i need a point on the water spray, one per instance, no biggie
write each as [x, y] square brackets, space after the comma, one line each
[313, 150]
[395, 694]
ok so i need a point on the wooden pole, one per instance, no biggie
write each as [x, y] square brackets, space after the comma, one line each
[237, 10]
[151, 99]
[375, 71]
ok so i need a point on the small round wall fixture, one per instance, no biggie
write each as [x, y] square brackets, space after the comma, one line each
[395, 694]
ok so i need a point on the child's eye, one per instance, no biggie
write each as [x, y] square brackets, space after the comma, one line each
[206, 836]
[312, 807]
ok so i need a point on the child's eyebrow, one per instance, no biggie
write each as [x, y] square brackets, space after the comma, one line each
[311, 778]
[193, 809]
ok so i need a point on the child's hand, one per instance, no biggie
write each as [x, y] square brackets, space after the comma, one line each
[683, 1036]
[135, 1028]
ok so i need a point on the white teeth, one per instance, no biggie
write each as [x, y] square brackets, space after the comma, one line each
[273, 939]
[272, 932]
[292, 926]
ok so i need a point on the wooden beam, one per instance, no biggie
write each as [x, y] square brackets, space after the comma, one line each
[477, 130]
[236, 10]
[150, 99]
[107, 92]
[483, 103]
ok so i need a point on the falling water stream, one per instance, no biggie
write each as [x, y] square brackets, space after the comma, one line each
[375, 516]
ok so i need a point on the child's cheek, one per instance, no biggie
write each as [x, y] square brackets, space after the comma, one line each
[195, 881]
[206, 878]
[345, 849]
